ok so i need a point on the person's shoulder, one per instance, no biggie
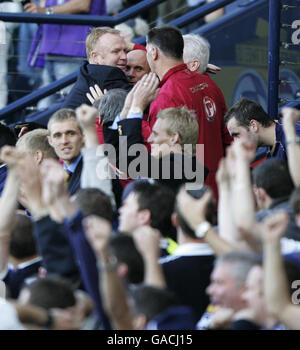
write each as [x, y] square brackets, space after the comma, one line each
[95, 68]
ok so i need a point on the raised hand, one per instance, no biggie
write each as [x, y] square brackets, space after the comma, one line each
[10, 155]
[211, 68]
[146, 91]
[244, 148]
[147, 241]
[193, 210]
[95, 93]
[274, 226]
[53, 181]
[290, 115]
[86, 116]
[98, 232]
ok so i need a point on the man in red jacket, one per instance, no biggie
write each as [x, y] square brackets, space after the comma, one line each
[179, 86]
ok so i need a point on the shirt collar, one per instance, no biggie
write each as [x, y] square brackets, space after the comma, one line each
[192, 249]
[172, 71]
[28, 263]
[72, 167]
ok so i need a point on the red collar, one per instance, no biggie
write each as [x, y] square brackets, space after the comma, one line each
[172, 71]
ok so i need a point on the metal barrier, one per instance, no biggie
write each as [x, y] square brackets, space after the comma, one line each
[273, 57]
[110, 21]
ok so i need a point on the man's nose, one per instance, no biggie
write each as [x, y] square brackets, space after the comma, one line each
[64, 138]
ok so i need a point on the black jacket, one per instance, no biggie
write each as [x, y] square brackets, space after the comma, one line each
[107, 77]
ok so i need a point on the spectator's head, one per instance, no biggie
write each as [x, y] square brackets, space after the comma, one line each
[48, 293]
[65, 135]
[228, 279]
[105, 46]
[147, 302]
[36, 143]
[247, 117]
[22, 242]
[173, 129]
[111, 104]
[295, 204]
[164, 48]
[92, 201]
[271, 180]
[196, 52]
[147, 204]
[185, 232]
[137, 66]
[130, 264]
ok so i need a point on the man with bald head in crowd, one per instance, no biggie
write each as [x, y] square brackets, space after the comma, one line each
[137, 65]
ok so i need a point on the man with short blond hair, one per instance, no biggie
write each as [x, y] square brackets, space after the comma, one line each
[183, 122]
[105, 66]
[93, 39]
[36, 143]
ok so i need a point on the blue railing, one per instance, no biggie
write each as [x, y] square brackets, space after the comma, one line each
[193, 15]
[110, 21]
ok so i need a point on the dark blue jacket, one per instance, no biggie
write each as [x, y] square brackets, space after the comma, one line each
[107, 77]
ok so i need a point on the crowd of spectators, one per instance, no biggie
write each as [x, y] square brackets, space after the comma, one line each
[141, 206]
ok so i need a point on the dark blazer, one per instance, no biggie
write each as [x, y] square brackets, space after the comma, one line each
[107, 77]
[74, 181]
[55, 248]
[188, 277]
[15, 278]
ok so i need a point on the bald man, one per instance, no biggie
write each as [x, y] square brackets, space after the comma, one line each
[137, 66]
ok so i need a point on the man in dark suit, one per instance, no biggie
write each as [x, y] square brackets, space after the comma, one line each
[66, 138]
[106, 63]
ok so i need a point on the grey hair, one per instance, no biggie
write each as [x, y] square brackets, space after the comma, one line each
[111, 104]
[240, 264]
[196, 47]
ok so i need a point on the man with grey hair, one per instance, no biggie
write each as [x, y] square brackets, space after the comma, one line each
[196, 52]
[228, 283]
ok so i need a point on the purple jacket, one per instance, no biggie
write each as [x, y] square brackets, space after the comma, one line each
[66, 40]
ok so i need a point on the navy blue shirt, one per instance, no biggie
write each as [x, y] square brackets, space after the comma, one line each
[280, 150]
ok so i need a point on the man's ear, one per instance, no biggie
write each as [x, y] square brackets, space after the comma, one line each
[154, 52]
[175, 138]
[174, 219]
[144, 217]
[254, 125]
[50, 141]
[95, 59]
[122, 270]
[39, 156]
[194, 65]
[261, 194]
